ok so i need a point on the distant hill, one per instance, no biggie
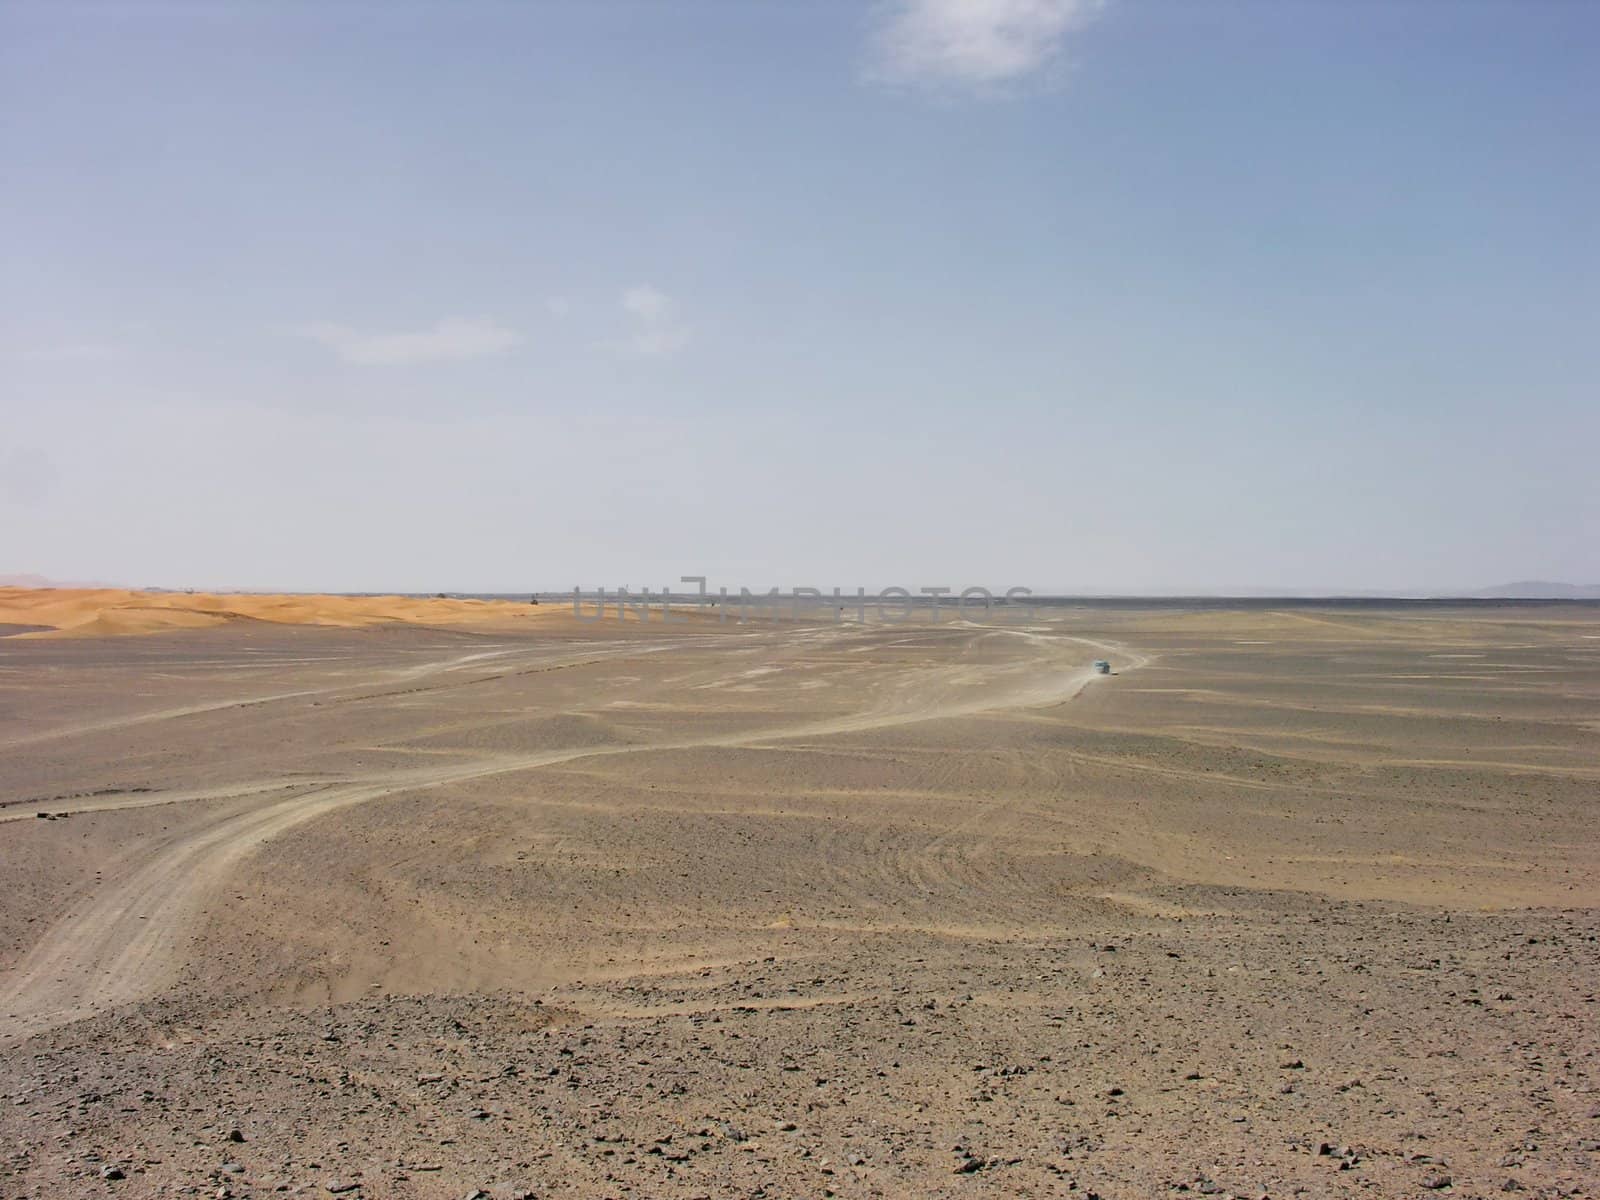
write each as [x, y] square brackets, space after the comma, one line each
[1541, 589]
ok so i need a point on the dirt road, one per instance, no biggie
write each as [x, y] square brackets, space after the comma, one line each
[127, 942]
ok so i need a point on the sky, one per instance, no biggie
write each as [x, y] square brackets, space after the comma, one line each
[1077, 296]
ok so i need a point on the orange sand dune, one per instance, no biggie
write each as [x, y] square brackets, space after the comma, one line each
[119, 612]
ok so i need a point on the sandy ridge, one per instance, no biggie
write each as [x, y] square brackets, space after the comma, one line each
[125, 612]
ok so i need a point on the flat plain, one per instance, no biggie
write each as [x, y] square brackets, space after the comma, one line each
[421, 901]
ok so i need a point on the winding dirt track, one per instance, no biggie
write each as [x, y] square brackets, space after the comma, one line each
[129, 940]
[388, 678]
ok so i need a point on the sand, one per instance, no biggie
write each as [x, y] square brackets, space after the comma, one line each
[122, 612]
[420, 903]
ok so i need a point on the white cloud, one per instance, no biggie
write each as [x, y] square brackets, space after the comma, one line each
[450, 338]
[645, 302]
[657, 329]
[973, 42]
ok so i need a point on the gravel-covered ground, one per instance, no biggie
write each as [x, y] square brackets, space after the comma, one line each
[1296, 904]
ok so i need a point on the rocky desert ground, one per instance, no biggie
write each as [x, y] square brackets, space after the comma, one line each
[441, 899]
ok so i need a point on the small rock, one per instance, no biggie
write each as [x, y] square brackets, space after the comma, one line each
[112, 1173]
[1436, 1181]
[968, 1165]
[235, 1135]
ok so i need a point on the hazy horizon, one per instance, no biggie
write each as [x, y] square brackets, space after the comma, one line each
[1148, 296]
[1529, 589]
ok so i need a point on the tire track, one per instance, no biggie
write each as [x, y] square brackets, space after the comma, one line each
[126, 943]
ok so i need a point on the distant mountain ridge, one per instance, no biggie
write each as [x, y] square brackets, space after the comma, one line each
[40, 581]
[1541, 589]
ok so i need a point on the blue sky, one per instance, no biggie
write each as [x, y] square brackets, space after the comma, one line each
[936, 292]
